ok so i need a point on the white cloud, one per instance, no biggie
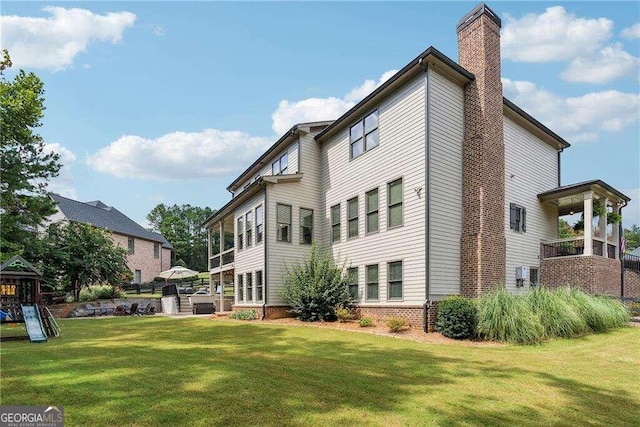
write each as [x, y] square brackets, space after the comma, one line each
[179, 155]
[63, 183]
[632, 32]
[577, 119]
[289, 113]
[554, 35]
[53, 42]
[604, 66]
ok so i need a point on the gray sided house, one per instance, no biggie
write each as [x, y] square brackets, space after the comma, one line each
[432, 185]
[149, 252]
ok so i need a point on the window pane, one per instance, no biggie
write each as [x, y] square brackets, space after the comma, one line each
[372, 291]
[335, 214]
[395, 271]
[335, 233]
[283, 213]
[356, 148]
[395, 216]
[371, 122]
[352, 275]
[275, 167]
[352, 208]
[372, 222]
[353, 227]
[395, 289]
[306, 217]
[372, 273]
[372, 201]
[284, 162]
[356, 132]
[283, 232]
[395, 192]
[371, 140]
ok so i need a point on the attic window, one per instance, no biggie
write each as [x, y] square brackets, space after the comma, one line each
[363, 136]
[518, 218]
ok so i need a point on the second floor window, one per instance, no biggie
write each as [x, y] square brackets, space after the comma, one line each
[372, 210]
[352, 217]
[363, 136]
[249, 224]
[131, 245]
[156, 250]
[240, 233]
[281, 166]
[335, 223]
[394, 199]
[259, 226]
[306, 226]
[283, 229]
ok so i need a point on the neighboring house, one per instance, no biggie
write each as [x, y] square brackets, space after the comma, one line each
[432, 185]
[149, 252]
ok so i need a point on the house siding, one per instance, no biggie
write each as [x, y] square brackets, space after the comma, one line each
[301, 194]
[249, 259]
[531, 167]
[400, 154]
[446, 133]
[293, 165]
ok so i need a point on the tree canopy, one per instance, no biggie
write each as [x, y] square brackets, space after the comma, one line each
[26, 167]
[633, 237]
[182, 227]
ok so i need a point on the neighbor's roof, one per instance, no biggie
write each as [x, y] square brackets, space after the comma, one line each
[107, 217]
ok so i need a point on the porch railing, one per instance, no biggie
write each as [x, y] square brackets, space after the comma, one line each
[227, 257]
[631, 262]
[575, 246]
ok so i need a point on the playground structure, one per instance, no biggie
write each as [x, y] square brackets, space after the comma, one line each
[20, 298]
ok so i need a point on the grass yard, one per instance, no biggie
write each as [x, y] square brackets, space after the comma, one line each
[160, 371]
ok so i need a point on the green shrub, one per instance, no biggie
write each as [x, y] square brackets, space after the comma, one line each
[96, 292]
[343, 314]
[558, 316]
[315, 287]
[365, 322]
[634, 308]
[508, 318]
[244, 315]
[396, 324]
[599, 313]
[457, 317]
[180, 263]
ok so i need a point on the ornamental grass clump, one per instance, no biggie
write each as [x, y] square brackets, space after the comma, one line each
[508, 318]
[557, 315]
[599, 313]
[457, 317]
[316, 287]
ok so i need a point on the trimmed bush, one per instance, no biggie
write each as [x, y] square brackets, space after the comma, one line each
[343, 314]
[316, 287]
[365, 322]
[508, 318]
[396, 324]
[457, 317]
[96, 292]
[244, 315]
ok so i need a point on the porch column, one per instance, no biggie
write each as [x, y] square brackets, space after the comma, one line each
[588, 221]
[221, 243]
[615, 235]
[209, 251]
[602, 225]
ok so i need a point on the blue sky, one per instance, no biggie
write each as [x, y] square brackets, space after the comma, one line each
[151, 102]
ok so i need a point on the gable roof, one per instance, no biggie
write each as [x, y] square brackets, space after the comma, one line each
[17, 263]
[107, 217]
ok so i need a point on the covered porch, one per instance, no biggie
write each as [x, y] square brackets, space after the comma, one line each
[221, 262]
[590, 261]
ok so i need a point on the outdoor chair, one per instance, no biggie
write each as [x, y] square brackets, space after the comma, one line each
[143, 310]
[119, 311]
[133, 310]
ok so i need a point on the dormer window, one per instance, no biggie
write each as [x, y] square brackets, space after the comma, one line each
[363, 136]
[280, 166]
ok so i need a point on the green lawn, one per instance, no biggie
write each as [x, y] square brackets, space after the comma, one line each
[160, 371]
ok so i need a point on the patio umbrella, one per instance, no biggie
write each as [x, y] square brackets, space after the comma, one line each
[177, 273]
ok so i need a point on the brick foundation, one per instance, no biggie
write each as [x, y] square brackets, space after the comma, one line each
[412, 314]
[593, 274]
[631, 284]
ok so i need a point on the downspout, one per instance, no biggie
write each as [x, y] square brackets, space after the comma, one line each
[424, 66]
[620, 237]
[265, 241]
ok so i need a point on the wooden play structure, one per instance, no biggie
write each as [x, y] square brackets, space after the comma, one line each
[21, 300]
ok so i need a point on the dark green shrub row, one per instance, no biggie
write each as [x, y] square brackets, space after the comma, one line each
[530, 318]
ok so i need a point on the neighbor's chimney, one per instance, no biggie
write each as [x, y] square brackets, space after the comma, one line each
[483, 246]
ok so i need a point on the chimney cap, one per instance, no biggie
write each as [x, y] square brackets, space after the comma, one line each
[477, 12]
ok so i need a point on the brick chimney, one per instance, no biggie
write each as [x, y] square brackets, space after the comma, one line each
[483, 246]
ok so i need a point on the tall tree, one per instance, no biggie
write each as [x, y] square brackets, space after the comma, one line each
[633, 237]
[25, 167]
[565, 230]
[182, 227]
[74, 255]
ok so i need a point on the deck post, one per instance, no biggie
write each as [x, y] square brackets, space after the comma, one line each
[588, 223]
